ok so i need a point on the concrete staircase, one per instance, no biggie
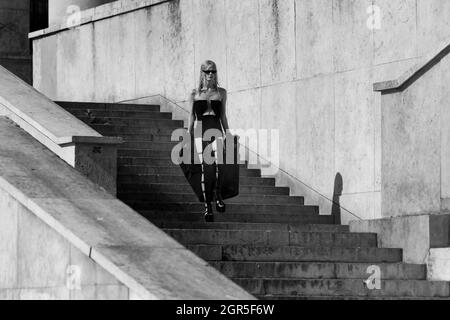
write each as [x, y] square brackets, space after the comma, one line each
[268, 242]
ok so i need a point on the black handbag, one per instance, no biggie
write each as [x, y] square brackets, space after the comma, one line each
[229, 172]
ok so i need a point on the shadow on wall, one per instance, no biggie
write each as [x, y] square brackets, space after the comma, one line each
[337, 193]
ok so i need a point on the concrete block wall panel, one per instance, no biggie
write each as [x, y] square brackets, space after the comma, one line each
[45, 71]
[308, 40]
[432, 27]
[38, 263]
[8, 241]
[278, 107]
[397, 38]
[150, 71]
[58, 9]
[103, 83]
[122, 48]
[411, 148]
[243, 44]
[178, 49]
[354, 131]
[74, 64]
[316, 132]
[353, 40]
[277, 29]
[209, 36]
[445, 132]
[314, 34]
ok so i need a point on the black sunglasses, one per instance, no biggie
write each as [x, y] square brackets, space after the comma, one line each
[210, 71]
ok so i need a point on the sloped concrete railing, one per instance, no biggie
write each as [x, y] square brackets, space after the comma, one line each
[72, 140]
[415, 137]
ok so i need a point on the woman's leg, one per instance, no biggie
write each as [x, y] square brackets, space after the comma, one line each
[199, 146]
[219, 159]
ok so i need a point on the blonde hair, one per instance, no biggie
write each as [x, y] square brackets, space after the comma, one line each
[202, 81]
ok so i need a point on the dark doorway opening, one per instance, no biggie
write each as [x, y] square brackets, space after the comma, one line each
[38, 15]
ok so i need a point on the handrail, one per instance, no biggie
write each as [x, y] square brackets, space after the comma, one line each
[254, 152]
[415, 72]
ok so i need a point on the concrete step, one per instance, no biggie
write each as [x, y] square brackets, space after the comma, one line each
[186, 188]
[154, 153]
[134, 123]
[147, 137]
[165, 154]
[191, 197]
[160, 178]
[149, 161]
[121, 114]
[149, 145]
[253, 226]
[108, 106]
[272, 238]
[315, 270]
[344, 287]
[241, 217]
[173, 170]
[157, 154]
[295, 254]
[110, 130]
[117, 131]
[231, 208]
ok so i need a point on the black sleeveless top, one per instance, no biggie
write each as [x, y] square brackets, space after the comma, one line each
[200, 107]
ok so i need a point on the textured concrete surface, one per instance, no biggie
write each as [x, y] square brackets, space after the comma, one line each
[438, 264]
[277, 24]
[58, 219]
[397, 38]
[421, 236]
[411, 233]
[314, 29]
[323, 46]
[415, 126]
[59, 10]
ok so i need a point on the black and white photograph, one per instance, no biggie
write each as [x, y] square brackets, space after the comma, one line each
[234, 157]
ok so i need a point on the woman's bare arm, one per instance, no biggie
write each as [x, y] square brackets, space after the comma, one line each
[192, 114]
[224, 118]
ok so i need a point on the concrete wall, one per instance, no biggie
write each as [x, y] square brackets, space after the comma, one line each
[36, 263]
[15, 52]
[305, 67]
[60, 9]
[416, 145]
